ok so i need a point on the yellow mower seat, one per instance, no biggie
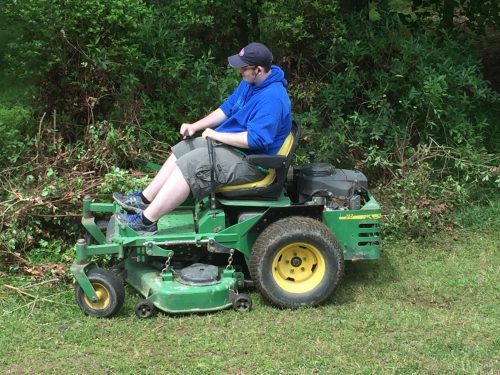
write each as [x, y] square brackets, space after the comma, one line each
[272, 184]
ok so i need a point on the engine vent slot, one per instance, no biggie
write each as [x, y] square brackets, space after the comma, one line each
[369, 234]
[370, 225]
[369, 243]
[318, 170]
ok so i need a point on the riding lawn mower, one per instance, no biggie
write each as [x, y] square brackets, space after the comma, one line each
[288, 235]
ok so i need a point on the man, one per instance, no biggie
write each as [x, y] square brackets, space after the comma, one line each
[255, 119]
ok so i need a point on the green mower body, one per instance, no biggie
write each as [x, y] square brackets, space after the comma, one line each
[291, 248]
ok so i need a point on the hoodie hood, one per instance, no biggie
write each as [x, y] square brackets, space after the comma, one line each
[277, 75]
[262, 110]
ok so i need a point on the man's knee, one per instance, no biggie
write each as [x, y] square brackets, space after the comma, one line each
[171, 158]
[188, 145]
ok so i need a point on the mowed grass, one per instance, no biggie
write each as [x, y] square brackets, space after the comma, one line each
[423, 308]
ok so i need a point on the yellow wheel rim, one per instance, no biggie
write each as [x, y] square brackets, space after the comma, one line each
[103, 297]
[298, 268]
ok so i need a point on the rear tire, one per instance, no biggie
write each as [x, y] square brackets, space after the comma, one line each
[296, 261]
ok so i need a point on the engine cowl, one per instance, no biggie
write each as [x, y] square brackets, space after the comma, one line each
[322, 179]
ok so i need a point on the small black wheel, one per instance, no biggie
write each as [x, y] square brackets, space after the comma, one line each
[296, 261]
[109, 290]
[144, 309]
[242, 302]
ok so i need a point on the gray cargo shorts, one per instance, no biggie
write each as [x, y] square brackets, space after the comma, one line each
[231, 168]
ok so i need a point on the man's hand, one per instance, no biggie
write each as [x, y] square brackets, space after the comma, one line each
[232, 139]
[210, 121]
[210, 133]
[187, 130]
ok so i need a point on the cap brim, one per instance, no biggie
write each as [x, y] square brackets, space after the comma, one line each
[236, 62]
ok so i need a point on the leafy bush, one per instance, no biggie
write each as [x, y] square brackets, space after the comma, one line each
[118, 179]
[184, 76]
[301, 33]
[432, 184]
[12, 121]
[40, 197]
[83, 55]
[417, 203]
[386, 94]
[406, 104]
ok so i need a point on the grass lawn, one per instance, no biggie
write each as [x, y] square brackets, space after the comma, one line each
[426, 308]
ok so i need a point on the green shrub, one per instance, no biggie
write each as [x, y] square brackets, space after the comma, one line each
[12, 143]
[395, 98]
[83, 56]
[118, 179]
[417, 202]
[51, 251]
[41, 195]
[431, 185]
[389, 90]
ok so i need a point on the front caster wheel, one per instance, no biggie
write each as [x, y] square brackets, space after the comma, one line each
[110, 294]
[242, 302]
[144, 309]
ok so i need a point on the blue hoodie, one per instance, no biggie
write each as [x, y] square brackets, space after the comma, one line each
[263, 110]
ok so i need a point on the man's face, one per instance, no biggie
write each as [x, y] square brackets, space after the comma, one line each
[248, 73]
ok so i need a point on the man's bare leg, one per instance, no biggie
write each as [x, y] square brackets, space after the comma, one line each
[173, 192]
[161, 177]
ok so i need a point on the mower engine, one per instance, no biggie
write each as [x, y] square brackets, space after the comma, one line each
[334, 188]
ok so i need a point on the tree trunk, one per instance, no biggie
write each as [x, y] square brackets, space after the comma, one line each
[447, 14]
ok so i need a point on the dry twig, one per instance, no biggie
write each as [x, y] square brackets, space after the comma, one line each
[19, 291]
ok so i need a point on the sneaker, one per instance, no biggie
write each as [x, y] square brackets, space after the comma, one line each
[132, 202]
[134, 221]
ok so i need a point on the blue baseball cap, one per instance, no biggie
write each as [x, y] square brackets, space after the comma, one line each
[252, 54]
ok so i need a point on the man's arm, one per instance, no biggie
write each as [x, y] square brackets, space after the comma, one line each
[261, 130]
[233, 139]
[212, 120]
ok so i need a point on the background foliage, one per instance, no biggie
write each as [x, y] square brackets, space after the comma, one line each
[393, 88]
